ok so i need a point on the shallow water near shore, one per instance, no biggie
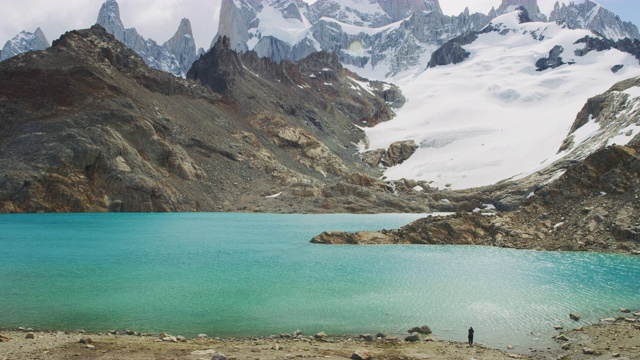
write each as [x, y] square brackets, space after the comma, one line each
[238, 275]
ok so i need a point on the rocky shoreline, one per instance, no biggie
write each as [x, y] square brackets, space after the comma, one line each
[609, 338]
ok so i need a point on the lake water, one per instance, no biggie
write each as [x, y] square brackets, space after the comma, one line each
[257, 274]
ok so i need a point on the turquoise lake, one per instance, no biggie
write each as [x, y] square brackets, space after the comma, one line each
[244, 275]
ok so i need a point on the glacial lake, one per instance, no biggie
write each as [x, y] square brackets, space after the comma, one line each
[242, 275]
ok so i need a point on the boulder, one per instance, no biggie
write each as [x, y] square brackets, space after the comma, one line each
[398, 152]
[424, 329]
[218, 356]
[366, 337]
[575, 317]
[320, 335]
[361, 355]
[553, 61]
[30, 335]
[85, 340]
[412, 338]
[588, 351]
[373, 158]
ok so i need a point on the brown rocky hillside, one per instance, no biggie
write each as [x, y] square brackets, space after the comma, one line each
[86, 126]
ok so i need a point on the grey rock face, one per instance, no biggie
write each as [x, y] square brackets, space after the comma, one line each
[23, 42]
[553, 61]
[530, 5]
[183, 46]
[380, 12]
[393, 36]
[450, 53]
[421, 27]
[175, 56]
[592, 16]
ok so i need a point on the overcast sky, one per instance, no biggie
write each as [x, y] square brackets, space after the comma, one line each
[159, 19]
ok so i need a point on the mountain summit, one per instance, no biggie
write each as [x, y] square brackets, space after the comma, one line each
[23, 42]
[591, 15]
[380, 39]
[175, 56]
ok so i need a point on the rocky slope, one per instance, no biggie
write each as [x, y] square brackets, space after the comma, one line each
[88, 126]
[592, 207]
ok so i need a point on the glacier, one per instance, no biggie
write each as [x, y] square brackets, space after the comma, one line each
[494, 116]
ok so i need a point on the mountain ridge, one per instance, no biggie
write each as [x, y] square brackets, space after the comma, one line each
[367, 37]
[88, 126]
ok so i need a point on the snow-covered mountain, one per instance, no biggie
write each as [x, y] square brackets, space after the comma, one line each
[506, 108]
[23, 42]
[174, 56]
[379, 39]
[591, 15]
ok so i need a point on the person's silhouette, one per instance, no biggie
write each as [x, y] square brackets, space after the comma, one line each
[470, 336]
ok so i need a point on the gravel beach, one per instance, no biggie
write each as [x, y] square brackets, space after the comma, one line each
[610, 338]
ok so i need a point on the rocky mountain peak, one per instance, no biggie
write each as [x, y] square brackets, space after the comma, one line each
[216, 68]
[531, 6]
[175, 56]
[23, 42]
[88, 126]
[183, 46]
[109, 18]
[591, 15]
[401, 9]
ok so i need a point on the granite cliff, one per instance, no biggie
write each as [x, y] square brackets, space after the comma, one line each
[175, 56]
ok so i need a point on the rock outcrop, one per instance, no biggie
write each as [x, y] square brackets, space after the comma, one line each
[592, 207]
[553, 61]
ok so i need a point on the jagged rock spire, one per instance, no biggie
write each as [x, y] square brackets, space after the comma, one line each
[174, 56]
[109, 18]
[183, 45]
[23, 42]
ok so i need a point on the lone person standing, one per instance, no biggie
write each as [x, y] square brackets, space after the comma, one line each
[470, 336]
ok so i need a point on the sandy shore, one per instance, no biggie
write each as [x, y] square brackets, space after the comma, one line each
[609, 339]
